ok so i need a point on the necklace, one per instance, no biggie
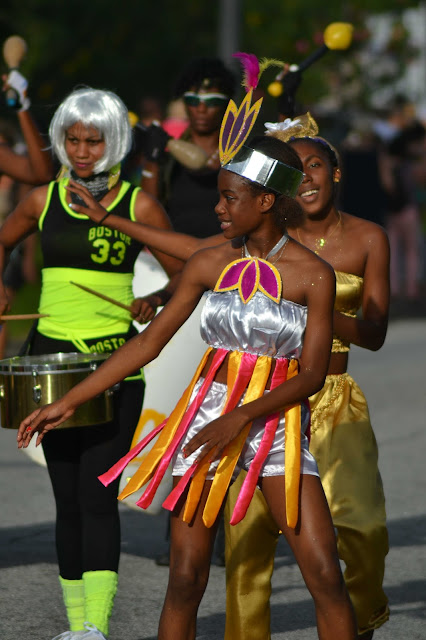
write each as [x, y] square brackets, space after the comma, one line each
[97, 184]
[322, 241]
[279, 247]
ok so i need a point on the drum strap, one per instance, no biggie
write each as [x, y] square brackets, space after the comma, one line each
[25, 347]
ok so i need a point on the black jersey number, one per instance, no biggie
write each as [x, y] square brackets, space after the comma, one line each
[114, 253]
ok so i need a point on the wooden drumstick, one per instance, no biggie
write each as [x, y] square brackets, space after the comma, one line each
[24, 316]
[103, 296]
[14, 49]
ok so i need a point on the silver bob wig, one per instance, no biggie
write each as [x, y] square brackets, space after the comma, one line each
[102, 110]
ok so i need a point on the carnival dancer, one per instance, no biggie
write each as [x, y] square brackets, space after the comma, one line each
[267, 296]
[90, 134]
[342, 439]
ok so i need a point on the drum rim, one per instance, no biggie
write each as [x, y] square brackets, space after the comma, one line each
[60, 362]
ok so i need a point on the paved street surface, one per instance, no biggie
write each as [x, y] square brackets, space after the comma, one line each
[30, 604]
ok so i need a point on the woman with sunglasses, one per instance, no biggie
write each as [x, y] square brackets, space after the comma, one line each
[189, 196]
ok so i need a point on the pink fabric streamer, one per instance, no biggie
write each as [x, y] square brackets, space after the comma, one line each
[113, 473]
[148, 495]
[249, 485]
[245, 371]
[171, 500]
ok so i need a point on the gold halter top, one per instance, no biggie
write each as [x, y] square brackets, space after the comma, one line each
[348, 301]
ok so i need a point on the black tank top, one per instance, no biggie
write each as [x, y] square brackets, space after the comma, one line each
[193, 196]
[69, 239]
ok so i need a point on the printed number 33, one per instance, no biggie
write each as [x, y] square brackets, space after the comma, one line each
[115, 253]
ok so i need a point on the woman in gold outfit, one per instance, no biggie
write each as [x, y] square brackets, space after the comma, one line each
[342, 439]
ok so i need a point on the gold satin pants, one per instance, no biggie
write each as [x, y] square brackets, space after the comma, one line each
[345, 448]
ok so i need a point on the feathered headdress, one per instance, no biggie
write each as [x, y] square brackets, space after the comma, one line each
[238, 121]
[236, 126]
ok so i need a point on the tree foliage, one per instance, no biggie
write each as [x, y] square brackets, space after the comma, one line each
[137, 48]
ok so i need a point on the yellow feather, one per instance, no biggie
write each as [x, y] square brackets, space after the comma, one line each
[264, 63]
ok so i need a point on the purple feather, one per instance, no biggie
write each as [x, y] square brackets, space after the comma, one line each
[244, 129]
[239, 121]
[226, 131]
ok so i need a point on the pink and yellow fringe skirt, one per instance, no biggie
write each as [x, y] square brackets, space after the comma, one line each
[247, 377]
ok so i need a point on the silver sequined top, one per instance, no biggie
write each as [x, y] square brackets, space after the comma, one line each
[260, 327]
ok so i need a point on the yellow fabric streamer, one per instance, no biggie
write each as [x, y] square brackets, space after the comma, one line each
[199, 478]
[147, 468]
[292, 454]
[232, 452]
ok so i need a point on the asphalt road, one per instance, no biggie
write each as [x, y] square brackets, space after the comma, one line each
[30, 604]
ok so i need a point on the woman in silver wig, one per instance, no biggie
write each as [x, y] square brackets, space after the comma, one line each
[90, 134]
[104, 111]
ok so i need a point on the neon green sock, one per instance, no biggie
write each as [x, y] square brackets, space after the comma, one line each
[73, 595]
[100, 588]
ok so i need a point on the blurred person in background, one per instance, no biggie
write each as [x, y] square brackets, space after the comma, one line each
[21, 165]
[35, 166]
[22, 265]
[404, 153]
[176, 120]
[150, 110]
[360, 156]
[189, 196]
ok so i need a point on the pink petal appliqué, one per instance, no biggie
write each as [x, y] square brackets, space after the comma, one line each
[230, 276]
[269, 281]
[249, 275]
[249, 281]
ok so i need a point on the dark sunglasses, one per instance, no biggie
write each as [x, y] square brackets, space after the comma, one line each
[209, 99]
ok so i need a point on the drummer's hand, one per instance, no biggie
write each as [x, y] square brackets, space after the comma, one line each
[93, 209]
[42, 420]
[144, 309]
[216, 436]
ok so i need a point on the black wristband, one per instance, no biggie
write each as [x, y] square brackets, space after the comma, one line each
[163, 295]
[105, 217]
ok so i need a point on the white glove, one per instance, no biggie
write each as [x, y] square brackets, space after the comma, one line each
[16, 81]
